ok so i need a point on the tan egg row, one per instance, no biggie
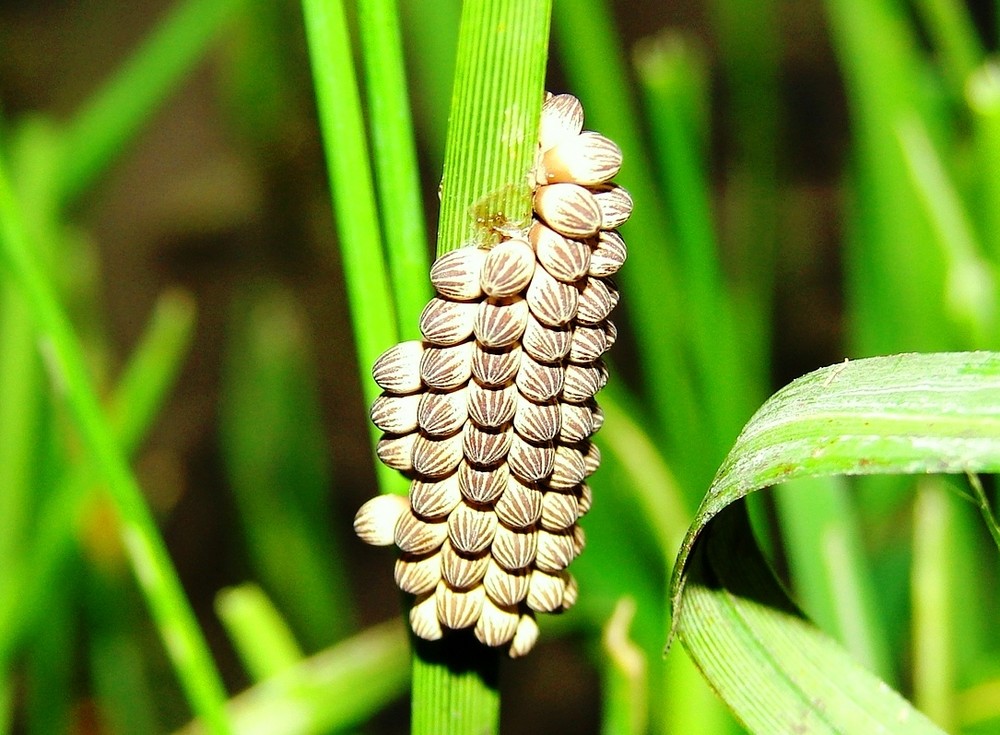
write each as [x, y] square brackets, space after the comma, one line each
[477, 589]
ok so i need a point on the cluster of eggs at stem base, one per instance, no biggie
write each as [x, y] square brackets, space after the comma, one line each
[491, 414]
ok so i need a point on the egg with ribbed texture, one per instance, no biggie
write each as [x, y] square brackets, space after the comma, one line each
[443, 413]
[615, 204]
[397, 370]
[447, 368]
[588, 158]
[491, 408]
[461, 570]
[525, 636]
[471, 528]
[546, 343]
[424, 619]
[485, 447]
[417, 536]
[482, 486]
[418, 574]
[520, 505]
[537, 422]
[569, 209]
[562, 119]
[564, 258]
[501, 322]
[551, 301]
[444, 322]
[495, 368]
[506, 587]
[456, 608]
[490, 415]
[435, 457]
[496, 625]
[608, 256]
[559, 511]
[375, 521]
[435, 498]
[514, 548]
[395, 414]
[545, 591]
[508, 268]
[456, 275]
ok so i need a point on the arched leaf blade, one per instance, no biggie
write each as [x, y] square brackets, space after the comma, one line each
[902, 414]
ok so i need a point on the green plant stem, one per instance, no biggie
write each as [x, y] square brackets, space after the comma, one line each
[492, 130]
[625, 681]
[353, 193]
[953, 32]
[492, 137]
[146, 551]
[596, 70]
[983, 94]
[395, 159]
[669, 71]
[933, 593]
[100, 131]
[970, 287]
[261, 636]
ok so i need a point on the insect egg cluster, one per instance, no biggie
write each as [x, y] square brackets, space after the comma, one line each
[491, 413]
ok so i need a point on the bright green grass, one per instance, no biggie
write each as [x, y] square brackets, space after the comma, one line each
[900, 572]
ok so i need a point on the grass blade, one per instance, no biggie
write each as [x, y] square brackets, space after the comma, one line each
[259, 634]
[146, 551]
[101, 131]
[336, 689]
[353, 194]
[903, 414]
[395, 159]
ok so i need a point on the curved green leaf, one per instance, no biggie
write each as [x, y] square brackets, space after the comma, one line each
[902, 414]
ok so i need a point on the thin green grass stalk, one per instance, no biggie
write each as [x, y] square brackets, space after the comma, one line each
[273, 446]
[261, 637]
[970, 284]
[121, 679]
[624, 680]
[657, 492]
[20, 420]
[152, 368]
[595, 66]
[821, 533]
[748, 38]
[983, 503]
[159, 582]
[49, 673]
[354, 203]
[954, 36]
[493, 124]
[23, 418]
[112, 118]
[890, 308]
[395, 160]
[983, 97]
[490, 152]
[933, 591]
[670, 70]
[430, 31]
